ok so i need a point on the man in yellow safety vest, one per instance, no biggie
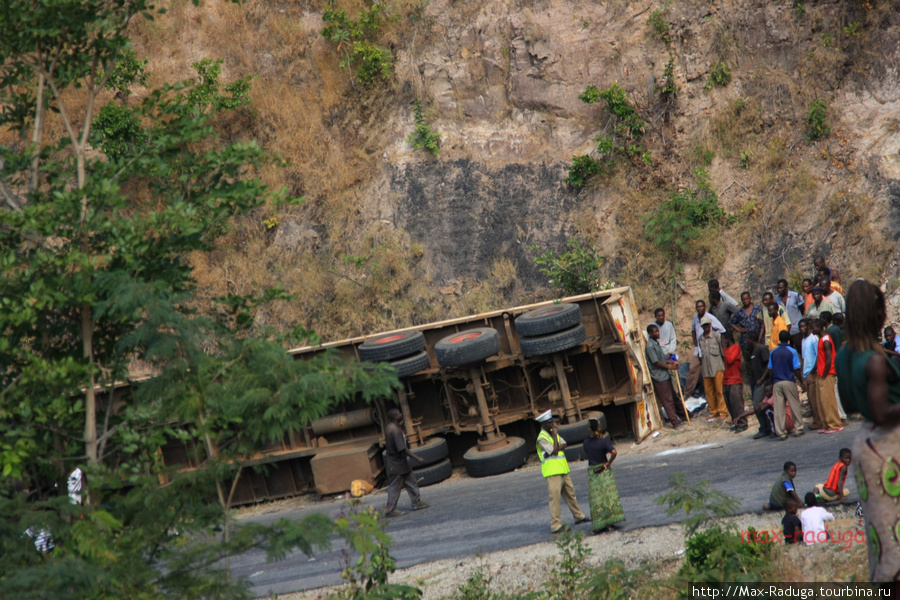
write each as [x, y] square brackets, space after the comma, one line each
[555, 469]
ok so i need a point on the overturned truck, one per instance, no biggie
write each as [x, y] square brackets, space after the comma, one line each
[470, 389]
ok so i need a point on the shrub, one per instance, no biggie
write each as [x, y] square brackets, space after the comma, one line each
[659, 27]
[684, 217]
[717, 554]
[719, 75]
[568, 576]
[590, 95]
[351, 36]
[576, 271]
[817, 120]
[423, 138]
[666, 87]
[746, 159]
[581, 169]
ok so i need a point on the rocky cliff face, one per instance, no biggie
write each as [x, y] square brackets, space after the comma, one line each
[500, 82]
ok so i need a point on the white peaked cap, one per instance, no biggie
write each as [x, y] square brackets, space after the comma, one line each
[545, 416]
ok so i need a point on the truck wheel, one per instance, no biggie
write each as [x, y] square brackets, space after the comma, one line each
[503, 460]
[575, 453]
[553, 342]
[434, 450]
[470, 346]
[575, 433]
[391, 346]
[548, 319]
[434, 473]
[413, 364]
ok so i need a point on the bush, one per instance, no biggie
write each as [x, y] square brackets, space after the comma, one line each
[717, 554]
[817, 120]
[574, 272]
[581, 169]
[423, 137]
[719, 75]
[659, 27]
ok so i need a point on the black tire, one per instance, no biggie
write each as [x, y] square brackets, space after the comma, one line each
[503, 460]
[575, 453]
[469, 346]
[553, 342]
[548, 319]
[412, 364]
[434, 450]
[575, 433]
[391, 346]
[433, 473]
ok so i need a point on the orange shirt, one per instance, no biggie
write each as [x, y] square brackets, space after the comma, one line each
[777, 327]
[807, 300]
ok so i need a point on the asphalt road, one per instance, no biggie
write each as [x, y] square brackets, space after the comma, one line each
[471, 516]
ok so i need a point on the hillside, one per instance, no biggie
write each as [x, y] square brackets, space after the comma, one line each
[390, 235]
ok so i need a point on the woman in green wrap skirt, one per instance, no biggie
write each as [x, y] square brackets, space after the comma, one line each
[606, 506]
[869, 382]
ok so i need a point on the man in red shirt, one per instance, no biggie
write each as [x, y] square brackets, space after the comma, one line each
[826, 378]
[733, 383]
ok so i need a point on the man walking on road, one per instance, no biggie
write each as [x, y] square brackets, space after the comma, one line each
[396, 463]
[784, 364]
[555, 469]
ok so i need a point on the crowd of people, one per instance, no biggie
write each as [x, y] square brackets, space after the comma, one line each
[773, 350]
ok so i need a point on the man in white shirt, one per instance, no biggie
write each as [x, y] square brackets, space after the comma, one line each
[667, 340]
[833, 296]
[813, 521]
[696, 332]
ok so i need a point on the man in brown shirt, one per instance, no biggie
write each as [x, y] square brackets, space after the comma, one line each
[396, 463]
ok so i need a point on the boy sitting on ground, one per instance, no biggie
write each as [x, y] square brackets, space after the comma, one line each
[833, 489]
[783, 489]
[812, 520]
[793, 529]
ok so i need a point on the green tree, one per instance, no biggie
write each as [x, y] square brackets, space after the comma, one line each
[93, 277]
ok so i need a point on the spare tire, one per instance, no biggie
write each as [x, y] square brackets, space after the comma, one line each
[412, 364]
[548, 319]
[391, 346]
[469, 346]
[575, 453]
[494, 462]
[575, 433]
[434, 450]
[433, 473]
[553, 342]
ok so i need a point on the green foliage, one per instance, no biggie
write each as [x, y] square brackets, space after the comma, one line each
[353, 38]
[581, 169]
[697, 500]
[719, 555]
[590, 95]
[666, 88]
[659, 26]
[800, 9]
[817, 120]
[617, 104]
[117, 131]
[423, 138]
[568, 576]
[853, 29]
[719, 75]
[367, 577]
[827, 39]
[207, 95]
[684, 216]
[129, 71]
[478, 587]
[746, 159]
[704, 155]
[576, 271]
[613, 581]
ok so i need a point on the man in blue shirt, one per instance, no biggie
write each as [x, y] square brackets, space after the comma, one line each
[810, 351]
[784, 365]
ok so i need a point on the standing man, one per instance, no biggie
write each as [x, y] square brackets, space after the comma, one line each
[746, 322]
[713, 286]
[713, 369]
[396, 463]
[807, 287]
[555, 469]
[661, 375]
[722, 310]
[819, 304]
[767, 299]
[792, 302]
[833, 296]
[693, 377]
[667, 340]
[776, 324]
[733, 384]
[759, 360]
[820, 265]
[826, 380]
[784, 364]
[810, 353]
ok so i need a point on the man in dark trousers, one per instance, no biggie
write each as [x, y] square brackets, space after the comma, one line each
[396, 463]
